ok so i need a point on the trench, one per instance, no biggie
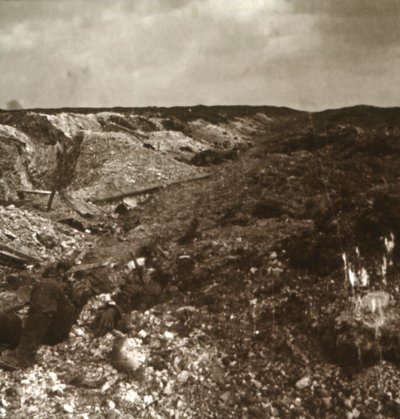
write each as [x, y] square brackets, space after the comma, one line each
[247, 259]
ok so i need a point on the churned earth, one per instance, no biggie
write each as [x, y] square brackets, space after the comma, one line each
[279, 229]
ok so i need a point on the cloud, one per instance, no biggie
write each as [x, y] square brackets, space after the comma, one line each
[131, 52]
[153, 7]
[365, 33]
[349, 8]
[19, 36]
[179, 52]
[364, 24]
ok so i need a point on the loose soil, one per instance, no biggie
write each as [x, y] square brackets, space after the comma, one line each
[243, 327]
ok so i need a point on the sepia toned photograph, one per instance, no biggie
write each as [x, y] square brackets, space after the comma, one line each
[200, 209]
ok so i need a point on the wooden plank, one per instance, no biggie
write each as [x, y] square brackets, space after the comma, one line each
[130, 131]
[147, 189]
[9, 257]
[33, 191]
[22, 252]
[51, 199]
[82, 208]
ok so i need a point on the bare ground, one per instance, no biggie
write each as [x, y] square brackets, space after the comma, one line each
[241, 330]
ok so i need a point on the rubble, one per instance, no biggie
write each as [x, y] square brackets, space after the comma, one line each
[251, 300]
[7, 257]
[41, 238]
[165, 383]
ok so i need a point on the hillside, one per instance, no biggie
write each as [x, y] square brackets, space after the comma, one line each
[278, 229]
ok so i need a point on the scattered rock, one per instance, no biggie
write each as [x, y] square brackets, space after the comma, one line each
[303, 383]
[68, 408]
[128, 355]
[183, 376]
[237, 313]
[327, 402]
[47, 240]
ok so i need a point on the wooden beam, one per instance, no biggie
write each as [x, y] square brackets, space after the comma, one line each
[33, 191]
[84, 209]
[22, 252]
[9, 257]
[147, 189]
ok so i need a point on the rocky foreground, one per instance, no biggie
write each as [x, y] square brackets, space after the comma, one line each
[279, 230]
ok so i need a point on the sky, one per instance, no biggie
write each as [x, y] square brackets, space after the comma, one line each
[304, 54]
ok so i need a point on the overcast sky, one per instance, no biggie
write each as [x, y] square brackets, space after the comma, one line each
[306, 54]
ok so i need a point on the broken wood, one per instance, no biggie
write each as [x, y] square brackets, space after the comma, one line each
[73, 223]
[60, 150]
[88, 267]
[121, 128]
[9, 257]
[130, 131]
[139, 267]
[22, 253]
[147, 189]
[82, 208]
[50, 202]
[22, 192]
[33, 191]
